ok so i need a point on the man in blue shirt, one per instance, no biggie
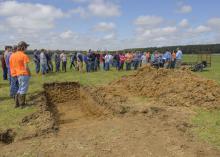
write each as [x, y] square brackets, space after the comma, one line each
[179, 56]
[167, 59]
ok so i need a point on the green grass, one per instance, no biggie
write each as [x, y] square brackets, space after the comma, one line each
[207, 122]
[211, 73]
[208, 126]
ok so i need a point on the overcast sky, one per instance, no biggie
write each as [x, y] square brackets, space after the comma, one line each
[109, 24]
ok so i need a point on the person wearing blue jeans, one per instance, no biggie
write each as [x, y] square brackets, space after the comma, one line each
[43, 62]
[37, 61]
[107, 62]
[21, 61]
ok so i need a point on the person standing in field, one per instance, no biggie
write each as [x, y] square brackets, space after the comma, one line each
[107, 61]
[37, 61]
[148, 57]
[122, 61]
[49, 61]
[4, 67]
[85, 59]
[117, 61]
[80, 61]
[14, 85]
[167, 59]
[144, 59]
[57, 61]
[135, 61]
[72, 60]
[43, 62]
[21, 61]
[98, 60]
[63, 61]
[179, 56]
[128, 60]
[7, 57]
[173, 60]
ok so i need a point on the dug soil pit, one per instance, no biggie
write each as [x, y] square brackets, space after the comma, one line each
[72, 105]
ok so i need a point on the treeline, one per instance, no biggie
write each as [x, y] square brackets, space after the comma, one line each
[187, 49]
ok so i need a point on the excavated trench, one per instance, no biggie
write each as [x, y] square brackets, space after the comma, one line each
[60, 104]
[72, 104]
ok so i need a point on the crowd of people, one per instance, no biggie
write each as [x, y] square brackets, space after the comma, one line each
[15, 64]
[94, 60]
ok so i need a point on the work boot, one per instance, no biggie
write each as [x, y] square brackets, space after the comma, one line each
[17, 100]
[22, 100]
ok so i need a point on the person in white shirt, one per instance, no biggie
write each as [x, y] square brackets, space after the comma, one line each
[108, 59]
[179, 56]
[63, 60]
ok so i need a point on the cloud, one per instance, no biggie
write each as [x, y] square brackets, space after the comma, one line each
[148, 21]
[214, 22]
[109, 36]
[67, 34]
[104, 27]
[80, 1]
[22, 16]
[184, 9]
[80, 10]
[200, 29]
[184, 23]
[103, 8]
[156, 32]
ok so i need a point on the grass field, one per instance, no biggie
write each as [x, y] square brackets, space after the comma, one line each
[207, 122]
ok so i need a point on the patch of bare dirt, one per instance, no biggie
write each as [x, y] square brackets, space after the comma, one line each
[147, 114]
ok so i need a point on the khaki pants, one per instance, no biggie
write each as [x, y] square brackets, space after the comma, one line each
[80, 66]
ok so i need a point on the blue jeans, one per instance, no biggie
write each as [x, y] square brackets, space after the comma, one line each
[43, 68]
[57, 66]
[37, 67]
[5, 73]
[107, 66]
[87, 67]
[135, 64]
[14, 86]
[23, 82]
[128, 66]
[92, 66]
[117, 65]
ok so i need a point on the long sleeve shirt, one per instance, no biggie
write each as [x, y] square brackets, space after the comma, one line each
[179, 55]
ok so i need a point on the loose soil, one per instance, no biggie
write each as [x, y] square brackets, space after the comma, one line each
[147, 114]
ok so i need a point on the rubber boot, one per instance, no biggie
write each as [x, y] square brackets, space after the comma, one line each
[17, 100]
[22, 100]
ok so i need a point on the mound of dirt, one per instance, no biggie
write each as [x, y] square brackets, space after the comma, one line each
[172, 87]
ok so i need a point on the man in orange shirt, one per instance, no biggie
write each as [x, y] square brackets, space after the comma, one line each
[128, 60]
[173, 60]
[21, 61]
[14, 80]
